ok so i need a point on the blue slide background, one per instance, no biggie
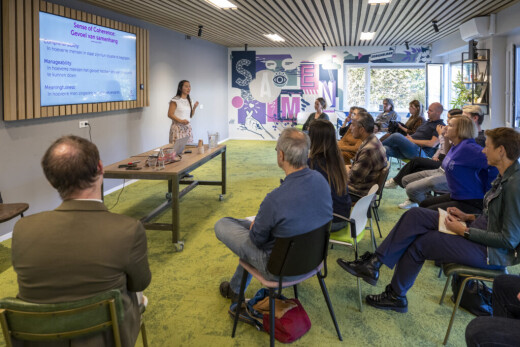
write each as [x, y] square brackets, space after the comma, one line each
[85, 63]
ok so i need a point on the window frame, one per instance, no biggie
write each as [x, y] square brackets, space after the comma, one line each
[368, 67]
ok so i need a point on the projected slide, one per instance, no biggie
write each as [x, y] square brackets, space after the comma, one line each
[85, 63]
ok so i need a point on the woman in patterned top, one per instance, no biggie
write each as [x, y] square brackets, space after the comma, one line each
[180, 112]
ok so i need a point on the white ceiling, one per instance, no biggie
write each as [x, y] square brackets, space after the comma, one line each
[309, 23]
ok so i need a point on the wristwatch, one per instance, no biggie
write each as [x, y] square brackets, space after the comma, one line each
[466, 233]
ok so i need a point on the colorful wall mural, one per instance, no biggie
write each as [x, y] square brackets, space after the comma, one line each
[271, 86]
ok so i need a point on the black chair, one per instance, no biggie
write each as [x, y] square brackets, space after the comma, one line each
[305, 255]
[9, 211]
[383, 176]
[467, 273]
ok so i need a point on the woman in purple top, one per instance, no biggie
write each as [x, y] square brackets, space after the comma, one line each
[466, 169]
[325, 157]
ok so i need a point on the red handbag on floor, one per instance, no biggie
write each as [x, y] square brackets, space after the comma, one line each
[293, 325]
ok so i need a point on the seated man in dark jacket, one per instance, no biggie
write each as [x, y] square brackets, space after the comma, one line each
[422, 143]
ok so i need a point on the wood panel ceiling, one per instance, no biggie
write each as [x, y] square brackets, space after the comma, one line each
[309, 23]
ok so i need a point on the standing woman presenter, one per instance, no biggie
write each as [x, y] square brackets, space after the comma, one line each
[180, 112]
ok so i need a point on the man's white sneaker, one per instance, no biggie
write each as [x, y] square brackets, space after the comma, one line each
[408, 204]
[390, 184]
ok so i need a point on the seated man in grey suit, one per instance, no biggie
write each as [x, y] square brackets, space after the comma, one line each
[80, 249]
[300, 204]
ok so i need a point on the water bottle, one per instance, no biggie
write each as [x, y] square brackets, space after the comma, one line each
[161, 159]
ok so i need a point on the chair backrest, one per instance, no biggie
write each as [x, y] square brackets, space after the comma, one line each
[46, 322]
[300, 254]
[360, 211]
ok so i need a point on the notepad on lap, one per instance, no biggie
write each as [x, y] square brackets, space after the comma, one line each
[442, 222]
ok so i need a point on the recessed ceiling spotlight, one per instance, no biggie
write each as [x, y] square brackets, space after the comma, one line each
[274, 37]
[222, 4]
[367, 36]
[376, 2]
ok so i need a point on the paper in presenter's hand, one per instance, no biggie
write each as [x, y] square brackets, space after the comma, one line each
[442, 222]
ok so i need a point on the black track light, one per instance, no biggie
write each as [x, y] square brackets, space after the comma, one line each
[407, 45]
[323, 45]
[200, 31]
[245, 47]
[435, 27]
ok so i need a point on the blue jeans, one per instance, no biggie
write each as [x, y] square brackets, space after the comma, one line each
[400, 147]
[234, 233]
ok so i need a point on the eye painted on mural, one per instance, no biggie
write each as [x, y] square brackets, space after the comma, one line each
[270, 64]
[289, 64]
[280, 79]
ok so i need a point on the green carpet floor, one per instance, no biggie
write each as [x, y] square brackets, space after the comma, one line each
[185, 306]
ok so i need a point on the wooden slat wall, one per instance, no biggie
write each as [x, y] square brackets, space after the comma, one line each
[21, 61]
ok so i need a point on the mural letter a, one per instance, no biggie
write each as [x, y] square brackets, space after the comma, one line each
[265, 87]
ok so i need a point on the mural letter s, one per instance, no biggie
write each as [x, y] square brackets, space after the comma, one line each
[247, 75]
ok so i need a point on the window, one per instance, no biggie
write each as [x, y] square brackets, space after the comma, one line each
[367, 86]
[455, 70]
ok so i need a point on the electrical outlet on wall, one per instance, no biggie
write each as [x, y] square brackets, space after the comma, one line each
[83, 124]
[201, 106]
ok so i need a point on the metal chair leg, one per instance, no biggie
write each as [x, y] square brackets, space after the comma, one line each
[359, 293]
[143, 334]
[295, 291]
[445, 288]
[376, 214]
[240, 300]
[457, 302]
[329, 304]
[271, 316]
[358, 280]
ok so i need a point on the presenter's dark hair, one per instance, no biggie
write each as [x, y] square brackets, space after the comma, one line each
[179, 93]
[71, 164]
[325, 153]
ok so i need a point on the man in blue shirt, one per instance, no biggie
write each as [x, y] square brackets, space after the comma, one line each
[422, 143]
[300, 204]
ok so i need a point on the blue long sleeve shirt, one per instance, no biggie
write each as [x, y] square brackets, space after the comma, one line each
[300, 204]
[465, 166]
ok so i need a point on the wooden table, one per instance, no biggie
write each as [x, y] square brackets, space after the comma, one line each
[173, 173]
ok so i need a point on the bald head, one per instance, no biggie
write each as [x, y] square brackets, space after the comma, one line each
[71, 164]
[434, 111]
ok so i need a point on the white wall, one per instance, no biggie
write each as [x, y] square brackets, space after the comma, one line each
[507, 32]
[119, 134]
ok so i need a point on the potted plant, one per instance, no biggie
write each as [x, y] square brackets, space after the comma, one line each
[463, 94]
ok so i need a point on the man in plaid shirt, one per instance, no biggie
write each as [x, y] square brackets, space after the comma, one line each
[370, 158]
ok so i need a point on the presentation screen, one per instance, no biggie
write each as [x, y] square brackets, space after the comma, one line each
[85, 63]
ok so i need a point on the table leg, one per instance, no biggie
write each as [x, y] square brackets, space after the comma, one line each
[175, 208]
[223, 172]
